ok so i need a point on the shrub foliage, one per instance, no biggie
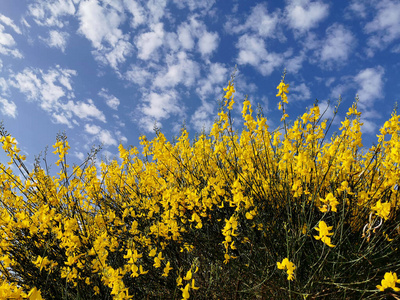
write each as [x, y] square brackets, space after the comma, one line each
[256, 213]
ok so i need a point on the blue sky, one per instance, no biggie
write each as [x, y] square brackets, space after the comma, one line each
[106, 72]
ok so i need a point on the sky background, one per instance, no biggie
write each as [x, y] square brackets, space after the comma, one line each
[106, 72]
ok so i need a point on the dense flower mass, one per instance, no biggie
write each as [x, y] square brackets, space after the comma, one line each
[210, 217]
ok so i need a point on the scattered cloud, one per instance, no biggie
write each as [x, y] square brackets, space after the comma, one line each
[302, 15]
[104, 136]
[54, 93]
[252, 51]
[137, 11]
[180, 70]
[111, 100]
[259, 22]
[149, 42]
[138, 75]
[211, 85]
[300, 92]
[57, 39]
[337, 46]
[156, 10]
[51, 13]
[100, 24]
[84, 110]
[385, 26]
[92, 129]
[202, 6]
[357, 8]
[208, 43]
[9, 22]
[157, 107]
[7, 42]
[8, 108]
[370, 86]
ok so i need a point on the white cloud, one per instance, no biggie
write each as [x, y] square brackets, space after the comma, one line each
[8, 108]
[53, 91]
[138, 75]
[157, 9]
[385, 27]
[111, 100]
[92, 129]
[114, 55]
[202, 117]
[300, 92]
[203, 5]
[208, 43]
[85, 110]
[149, 42]
[103, 135]
[185, 36]
[57, 39]
[188, 32]
[50, 13]
[358, 8]
[180, 70]
[370, 82]
[211, 85]
[302, 15]
[337, 45]
[79, 155]
[3, 86]
[9, 22]
[7, 44]
[106, 138]
[137, 11]
[98, 24]
[252, 51]
[259, 21]
[294, 64]
[157, 107]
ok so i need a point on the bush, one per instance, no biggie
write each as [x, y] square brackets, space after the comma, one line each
[289, 213]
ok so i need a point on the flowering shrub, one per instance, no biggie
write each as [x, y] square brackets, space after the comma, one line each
[215, 217]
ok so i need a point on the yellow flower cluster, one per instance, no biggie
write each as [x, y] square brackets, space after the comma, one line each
[288, 266]
[134, 226]
[324, 234]
[389, 282]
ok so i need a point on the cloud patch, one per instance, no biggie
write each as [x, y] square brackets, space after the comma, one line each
[337, 46]
[252, 51]
[7, 42]
[8, 108]
[53, 91]
[57, 39]
[370, 86]
[385, 26]
[112, 101]
[302, 15]
[51, 13]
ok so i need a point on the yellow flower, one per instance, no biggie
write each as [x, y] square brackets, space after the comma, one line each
[382, 209]
[167, 268]
[289, 266]
[330, 203]
[282, 88]
[324, 233]
[35, 294]
[188, 275]
[185, 292]
[389, 281]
